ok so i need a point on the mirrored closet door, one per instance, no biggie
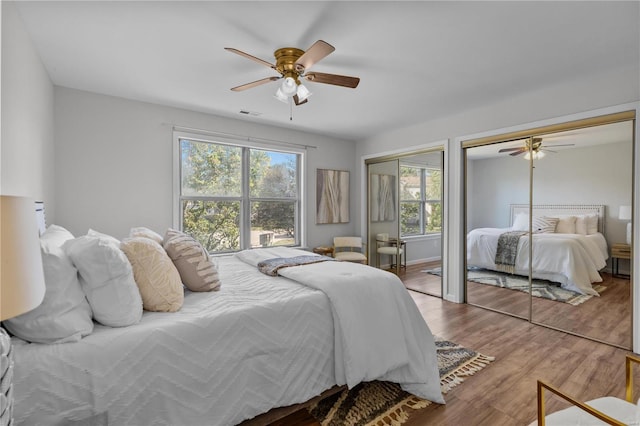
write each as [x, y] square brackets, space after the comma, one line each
[405, 217]
[550, 208]
[495, 181]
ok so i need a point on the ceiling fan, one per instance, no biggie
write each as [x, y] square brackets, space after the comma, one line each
[293, 64]
[536, 148]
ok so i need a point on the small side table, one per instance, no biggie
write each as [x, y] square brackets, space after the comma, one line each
[619, 251]
[323, 250]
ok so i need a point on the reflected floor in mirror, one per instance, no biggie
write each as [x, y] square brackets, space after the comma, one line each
[605, 318]
[415, 279]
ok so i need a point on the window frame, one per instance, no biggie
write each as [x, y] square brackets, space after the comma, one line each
[245, 199]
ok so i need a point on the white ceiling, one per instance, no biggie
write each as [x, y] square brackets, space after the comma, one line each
[417, 60]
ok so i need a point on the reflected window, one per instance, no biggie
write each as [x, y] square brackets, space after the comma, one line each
[420, 200]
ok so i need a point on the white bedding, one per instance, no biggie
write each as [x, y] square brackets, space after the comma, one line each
[384, 336]
[572, 260]
[224, 357]
[259, 343]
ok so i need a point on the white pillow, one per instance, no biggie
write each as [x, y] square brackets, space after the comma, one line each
[141, 231]
[106, 278]
[592, 223]
[581, 224]
[521, 222]
[566, 225]
[64, 315]
[157, 278]
[544, 225]
[55, 236]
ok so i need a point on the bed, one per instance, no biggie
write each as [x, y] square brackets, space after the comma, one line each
[571, 256]
[258, 343]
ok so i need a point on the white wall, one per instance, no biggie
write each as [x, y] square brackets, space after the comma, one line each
[114, 160]
[26, 153]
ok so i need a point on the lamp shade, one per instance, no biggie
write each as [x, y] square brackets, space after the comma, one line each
[21, 274]
[625, 213]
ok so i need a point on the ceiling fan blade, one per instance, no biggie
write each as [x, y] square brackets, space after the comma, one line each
[297, 100]
[548, 150]
[315, 53]
[337, 80]
[254, 84]
[509, 149]
[520, 151]
[253, 58]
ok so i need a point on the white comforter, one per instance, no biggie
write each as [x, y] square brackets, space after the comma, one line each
[572, 260]
[379, 331]
[258, 343]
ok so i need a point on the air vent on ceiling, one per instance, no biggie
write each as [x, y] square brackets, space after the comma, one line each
[252, 113]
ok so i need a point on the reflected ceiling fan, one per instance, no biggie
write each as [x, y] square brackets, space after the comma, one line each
[293, 64]
[536, 148]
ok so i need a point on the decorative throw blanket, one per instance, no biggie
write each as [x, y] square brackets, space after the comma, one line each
[271, 266]
[507, 251]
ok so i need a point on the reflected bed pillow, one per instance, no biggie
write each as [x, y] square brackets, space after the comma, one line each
[566, 225]
[544, 225]
[521, 222]
[64, 315]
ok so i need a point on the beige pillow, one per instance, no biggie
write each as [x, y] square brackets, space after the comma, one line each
[566, 225]
[141, 231]
[197, 271]
[156, 276]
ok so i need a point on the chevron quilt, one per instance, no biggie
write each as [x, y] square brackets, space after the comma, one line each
[258, 343]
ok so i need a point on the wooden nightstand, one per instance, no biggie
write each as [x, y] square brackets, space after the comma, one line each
[619, 251]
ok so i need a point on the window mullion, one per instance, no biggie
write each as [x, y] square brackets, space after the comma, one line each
[245, 204]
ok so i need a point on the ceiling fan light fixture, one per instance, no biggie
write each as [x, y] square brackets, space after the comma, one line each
[303, 93]
[536, 155]
[281, 96]
[289, 86]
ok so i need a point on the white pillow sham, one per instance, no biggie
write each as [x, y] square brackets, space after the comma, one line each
[521, 222]
[106, 278]
[64, 315]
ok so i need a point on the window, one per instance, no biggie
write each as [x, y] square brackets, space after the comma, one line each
[235, 197]
[420, 200]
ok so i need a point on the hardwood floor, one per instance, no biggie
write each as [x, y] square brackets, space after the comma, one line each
[504, 393]
[606, 318]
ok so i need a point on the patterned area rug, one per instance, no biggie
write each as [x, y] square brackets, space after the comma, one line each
[384, 403]
[540, 288]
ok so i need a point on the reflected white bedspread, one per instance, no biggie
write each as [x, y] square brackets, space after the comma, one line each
[572, 260]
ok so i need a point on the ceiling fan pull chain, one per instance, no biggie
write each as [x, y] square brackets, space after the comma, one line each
[290, 109]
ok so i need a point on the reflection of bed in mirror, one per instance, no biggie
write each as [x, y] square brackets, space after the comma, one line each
[570, 251]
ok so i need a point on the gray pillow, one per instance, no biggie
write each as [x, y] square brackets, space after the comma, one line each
[197, 271]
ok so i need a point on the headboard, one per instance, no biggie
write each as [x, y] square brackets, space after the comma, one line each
[561, 209]
[42, 222]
